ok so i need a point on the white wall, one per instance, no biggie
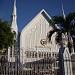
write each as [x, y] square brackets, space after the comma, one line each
[31, 35]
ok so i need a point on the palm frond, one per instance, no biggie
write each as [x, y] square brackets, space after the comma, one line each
[59, 38]
[63, 25]
[70, 17]
[58, 19]
[50, 33]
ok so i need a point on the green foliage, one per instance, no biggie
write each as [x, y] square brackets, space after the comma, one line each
[67, 26]
[6, 36]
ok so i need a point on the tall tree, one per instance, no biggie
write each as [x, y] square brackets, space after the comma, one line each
[6, 36]
[64, 26]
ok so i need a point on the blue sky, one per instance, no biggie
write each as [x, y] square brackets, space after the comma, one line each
[28, 9]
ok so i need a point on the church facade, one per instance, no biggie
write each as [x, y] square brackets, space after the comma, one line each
[33, 39]
[35, 48]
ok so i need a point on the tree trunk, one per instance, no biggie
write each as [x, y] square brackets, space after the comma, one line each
[69, 42]
[74, 44]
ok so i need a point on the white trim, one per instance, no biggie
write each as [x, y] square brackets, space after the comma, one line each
[34, 19]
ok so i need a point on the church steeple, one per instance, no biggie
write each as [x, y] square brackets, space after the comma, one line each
[14, 19]
[14, 28]
[14, 8]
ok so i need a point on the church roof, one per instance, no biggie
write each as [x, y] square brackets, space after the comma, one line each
[45, 15]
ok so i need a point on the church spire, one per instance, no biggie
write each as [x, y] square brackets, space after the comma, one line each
[14, 11]
[14, 19]
[63, 12]
[14, 28]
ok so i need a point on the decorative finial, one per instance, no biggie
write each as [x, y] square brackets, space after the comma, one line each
[14, 2]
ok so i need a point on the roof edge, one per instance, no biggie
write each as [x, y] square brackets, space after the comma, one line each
[35, 18]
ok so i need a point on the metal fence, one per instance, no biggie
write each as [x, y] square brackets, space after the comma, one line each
[45, 66]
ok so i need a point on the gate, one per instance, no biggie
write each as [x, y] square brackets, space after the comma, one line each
[45, 66]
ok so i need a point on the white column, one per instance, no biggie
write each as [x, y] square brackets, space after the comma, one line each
[30, 39]
[44, 29]
[35, 35]
[25, 42]
[12, 51]
[23, 56]
[41, 29]
[40, 32]
[47, 28]
[9, 54]
[33, 39]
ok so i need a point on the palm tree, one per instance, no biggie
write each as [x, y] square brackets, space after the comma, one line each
[64, 26]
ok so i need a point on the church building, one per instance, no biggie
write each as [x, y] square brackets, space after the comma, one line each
[33, 39]
[35, 48]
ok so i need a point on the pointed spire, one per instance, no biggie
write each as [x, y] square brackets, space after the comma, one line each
[14, 29]
[15, 2]
[14, 8]
[63, 12]
[14, 19]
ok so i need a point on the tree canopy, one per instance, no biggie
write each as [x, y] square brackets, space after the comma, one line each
[6, 36]
[63, 25]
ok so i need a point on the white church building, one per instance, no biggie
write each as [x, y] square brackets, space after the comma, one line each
[34, 45]
[33, 39]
